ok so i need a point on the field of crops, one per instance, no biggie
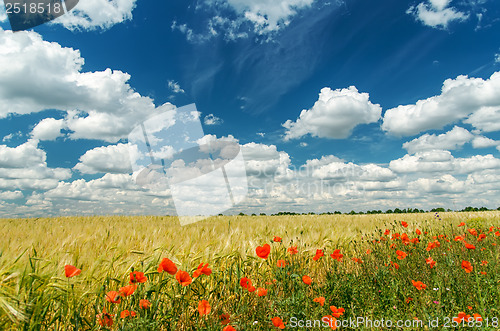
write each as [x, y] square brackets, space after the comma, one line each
[251, 273]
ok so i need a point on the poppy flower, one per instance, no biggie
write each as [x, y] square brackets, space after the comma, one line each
[113, 297]
[307, 280]
[386, 233]
[71, 271]
[168, 266]
[251, 288]
[277, 322]
[263, 251]
[418, 232]
[319, 254]
[483, 263]
[229, 328]
[461, 224]
[183, 278]
[261, 292]
[408, 299]
[497, 233]
[204, 307]
[467, 266]
[478, 317]
[404, 224]
[144, 304]
[127, 290]
[202, 269]
[105, 319]
[281, 263]
[127, 313]
[320, 300]
[430, 262]
[461, 316]
[336, 255]
[355, 259]
[277, 239]
[459, 238]
[483, 273]
[331, 321]
[481, 237]
[405, 239]
[395, 265]
[224, 319]
[469, 246]
[472, 232]
[245, 282]
[137, 277]
[419, 285]
[337, 312]
[401, 254]
[415, 240]
[293, 250]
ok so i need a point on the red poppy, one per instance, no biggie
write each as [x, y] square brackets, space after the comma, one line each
[281, 263]
[368, 251]
[168, 266]
[293, 250]
[113, 297]
[336, 255]
[478, 317]
[261, 292]
[320, 300]
[497, 233]
[229, 328]
[461, 224]
[202, 269]
[472, 232]
[127, 313]
[459, 238]
[419, 285]
[105, 319]
[355, 259]
[418, 232]
[277, 239]
[337, 312]
[263, 251]
[461, 316]
[137, 277]
[408, 299]
[277, 322]
[415, 240]
[404, 224]
[469, 246]
[307, 280]
[245, 282]
[127, 290]
[483, 263]
[467, 266]
[395, 265]
[251, 288]
[430, 262]
[401, 255]
[71, 271]
[204, 307]
[386, 233]
[224, 319]
[481, 237]
[183, 278]
[331, 321]
[319, 254]
[405, 239]
[144, 304]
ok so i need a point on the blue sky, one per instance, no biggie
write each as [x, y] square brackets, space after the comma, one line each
[337, 105]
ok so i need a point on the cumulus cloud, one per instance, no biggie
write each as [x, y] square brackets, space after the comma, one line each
[48, 129]
[436, 13]
[484, 142]
[472, 99]
[114, 159]
[334, 115]
[97, 14]
[211, 119]
[99, 105]
[453, 139]
[3, 14]
[175, 87]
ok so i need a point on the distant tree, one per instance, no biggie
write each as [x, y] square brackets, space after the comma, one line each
[254, 214]
[241, 214]
[438, 210]
[483, 209]
[262, 214]
[389, 211]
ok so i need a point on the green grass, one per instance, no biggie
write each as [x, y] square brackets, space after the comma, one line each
[36, 295]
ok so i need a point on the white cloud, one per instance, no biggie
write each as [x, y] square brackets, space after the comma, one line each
[486, 119]
[11, 195]
[23, 156]
[99, 105]
[460, 98]
[436, 13]
[211, 119]
[48, 129]
[484, 142]
[450, 140]
[3, 14]
[443, 184]
[175, 87]
[334, 115]
[114, 159]
[97, 14]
